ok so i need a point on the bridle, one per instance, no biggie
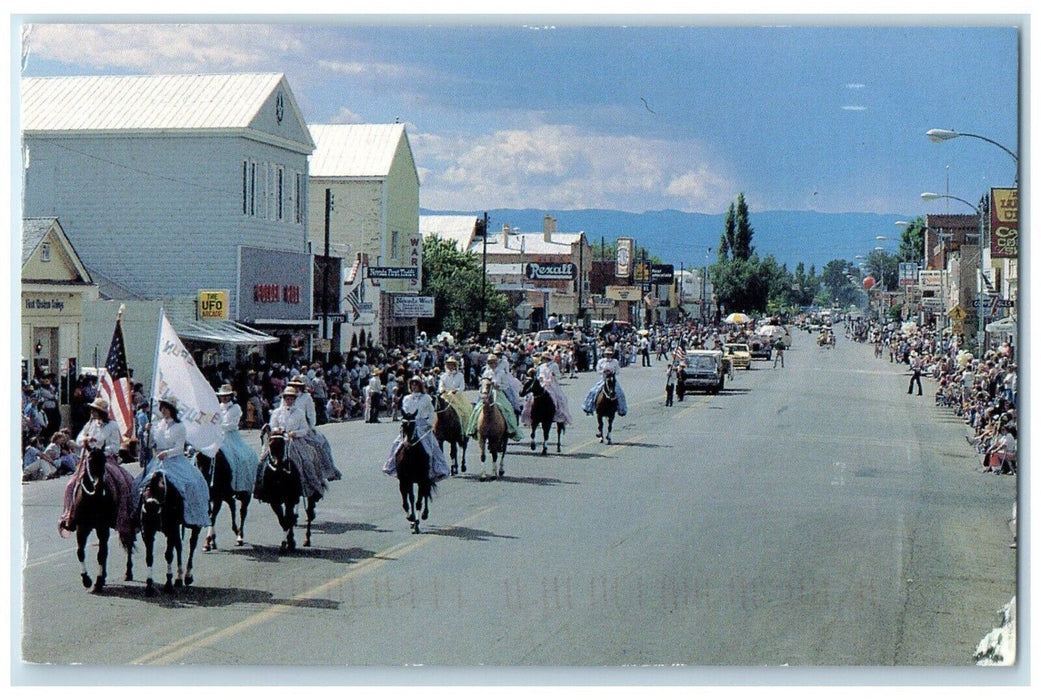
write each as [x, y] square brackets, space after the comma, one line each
[608, 389]
[284, 465]
[88, 477]
[155, 502]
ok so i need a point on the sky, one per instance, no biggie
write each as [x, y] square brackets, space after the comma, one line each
[633, 113]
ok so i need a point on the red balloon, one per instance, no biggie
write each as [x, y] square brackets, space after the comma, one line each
[869, 282]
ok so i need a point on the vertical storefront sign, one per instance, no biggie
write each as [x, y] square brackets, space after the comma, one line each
[1004, 222]
[624, 258]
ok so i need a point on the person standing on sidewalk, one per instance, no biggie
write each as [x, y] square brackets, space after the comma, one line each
[670, 383]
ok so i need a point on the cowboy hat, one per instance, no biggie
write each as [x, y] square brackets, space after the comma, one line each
[100, 404]
[493, 358]
[452, 361]
[226, 390]
[608, 351]
[416, 380]
[547, 355]
[290, 391]
[170, 401]
[298, 380]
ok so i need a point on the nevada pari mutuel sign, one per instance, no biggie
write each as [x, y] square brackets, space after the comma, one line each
[550, 271]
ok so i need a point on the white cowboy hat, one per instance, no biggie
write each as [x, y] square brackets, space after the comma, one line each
[226, 390]
[608, 351]
[547, 355]
[452, 361]
[290, 391]
[297, 381]
[493, 358]
[100, 404]
[170, 401]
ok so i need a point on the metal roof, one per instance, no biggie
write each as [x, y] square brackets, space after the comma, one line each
[223, 332]
[529, 244]
[460, 229]
[354, 150]
[144, 102]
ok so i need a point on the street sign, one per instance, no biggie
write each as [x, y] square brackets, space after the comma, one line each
[957, 313]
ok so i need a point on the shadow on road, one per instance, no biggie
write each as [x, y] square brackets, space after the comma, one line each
[331, 528]
[467, 533]
[207, 597]
[532, 480]
[338, 555]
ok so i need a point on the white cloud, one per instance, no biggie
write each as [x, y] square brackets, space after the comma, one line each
[346, 116]
[556, 166]
[854, 108]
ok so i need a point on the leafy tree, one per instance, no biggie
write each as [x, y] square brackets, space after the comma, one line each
[454, 278]
[912, 242]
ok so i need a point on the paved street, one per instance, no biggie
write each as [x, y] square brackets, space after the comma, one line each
[812, 516]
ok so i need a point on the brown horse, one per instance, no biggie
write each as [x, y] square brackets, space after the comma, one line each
[217, 472]
[412, 464]
[279, 484]
[543, 411]
[96, 506]
[606, 407]
[449, 428]
[492, 431]
[162, 510]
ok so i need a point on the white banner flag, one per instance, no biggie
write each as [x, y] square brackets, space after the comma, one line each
[177, 375]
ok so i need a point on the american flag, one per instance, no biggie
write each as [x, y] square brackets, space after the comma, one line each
[115, 384]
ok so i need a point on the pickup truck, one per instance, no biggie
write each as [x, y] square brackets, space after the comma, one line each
[704, 370]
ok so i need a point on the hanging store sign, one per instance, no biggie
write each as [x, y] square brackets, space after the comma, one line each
[620, 293]
[1004, 222]
[213, 304]
[624, 257]
[394, 273]
[930, 280]
[663, 274]
[406, 306]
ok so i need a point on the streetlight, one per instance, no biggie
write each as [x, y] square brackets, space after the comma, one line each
[940, 135]
[930, 196]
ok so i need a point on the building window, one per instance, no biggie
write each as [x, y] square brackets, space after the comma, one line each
[249, 188]
[280, 193]
[394, 241]
[45, 252]
[299, 198]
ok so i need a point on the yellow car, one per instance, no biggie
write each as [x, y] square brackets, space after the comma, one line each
[739, 354]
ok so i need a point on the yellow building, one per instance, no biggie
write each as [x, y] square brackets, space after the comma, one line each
[55, 288]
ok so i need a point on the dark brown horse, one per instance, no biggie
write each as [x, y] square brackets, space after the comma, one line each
[96, 506]
[412, 464]
[449, 428]
[543, 411]
[217, 473]
[162, 511]
[606, 407]
[492, 431]
[280, 485]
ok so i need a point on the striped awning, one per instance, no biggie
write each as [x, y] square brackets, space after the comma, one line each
[223, 332]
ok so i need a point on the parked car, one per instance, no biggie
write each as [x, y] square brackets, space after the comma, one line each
[739, 354]
[704, 370]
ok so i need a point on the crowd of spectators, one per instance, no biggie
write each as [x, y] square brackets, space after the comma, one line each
[982, 391]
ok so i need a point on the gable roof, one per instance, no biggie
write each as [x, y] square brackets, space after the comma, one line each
[105, 103]
[516, 243]
[354, 150]
[36, 229]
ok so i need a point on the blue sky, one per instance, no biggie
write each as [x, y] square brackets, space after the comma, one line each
[568, 113]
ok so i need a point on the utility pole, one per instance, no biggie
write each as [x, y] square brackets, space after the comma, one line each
[325, 270]
[483, 329]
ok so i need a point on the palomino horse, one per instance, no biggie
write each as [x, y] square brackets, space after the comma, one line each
[413, 469]
[96, 507]
[217, 473]
[280, 484]
[162, 510]
[448, 428]
[491, 431]
[543, 410]
[606, 407]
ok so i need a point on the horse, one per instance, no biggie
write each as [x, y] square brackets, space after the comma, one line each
[279, 483]
[412, 464]
[491, 431]
[162, 510]
[606, 407]
[217, 472]
[96, 507]
[448, 428]
[543, 410]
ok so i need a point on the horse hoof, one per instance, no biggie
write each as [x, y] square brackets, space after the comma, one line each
[545, 451]
[307, 543]
[532, 445]
[239, 542]
[178, 583]
[189, 580]
[86, 580]
[168, 588]
[599, 435]
[149, 588]
[282, 548]
[128, 576]
[502, 472]
[99, 586]
[463, 468]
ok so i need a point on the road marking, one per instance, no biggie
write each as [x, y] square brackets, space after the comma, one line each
[172, 653]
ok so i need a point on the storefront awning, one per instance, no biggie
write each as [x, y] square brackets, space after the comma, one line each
[1005, 325]
[226, 332]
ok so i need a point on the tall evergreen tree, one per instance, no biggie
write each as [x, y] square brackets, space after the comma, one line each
[742, 242]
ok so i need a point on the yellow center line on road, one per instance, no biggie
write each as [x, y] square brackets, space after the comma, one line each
[181, 648]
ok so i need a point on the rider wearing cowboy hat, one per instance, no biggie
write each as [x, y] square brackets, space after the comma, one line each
[548, 373]
[241, 457]
[450, 386]
[289, 420]
[169, 438]
[305, 402]
[505, 397]
[607, 365]
[418, 402]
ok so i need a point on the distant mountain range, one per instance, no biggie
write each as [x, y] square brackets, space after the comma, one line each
[677, 237]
